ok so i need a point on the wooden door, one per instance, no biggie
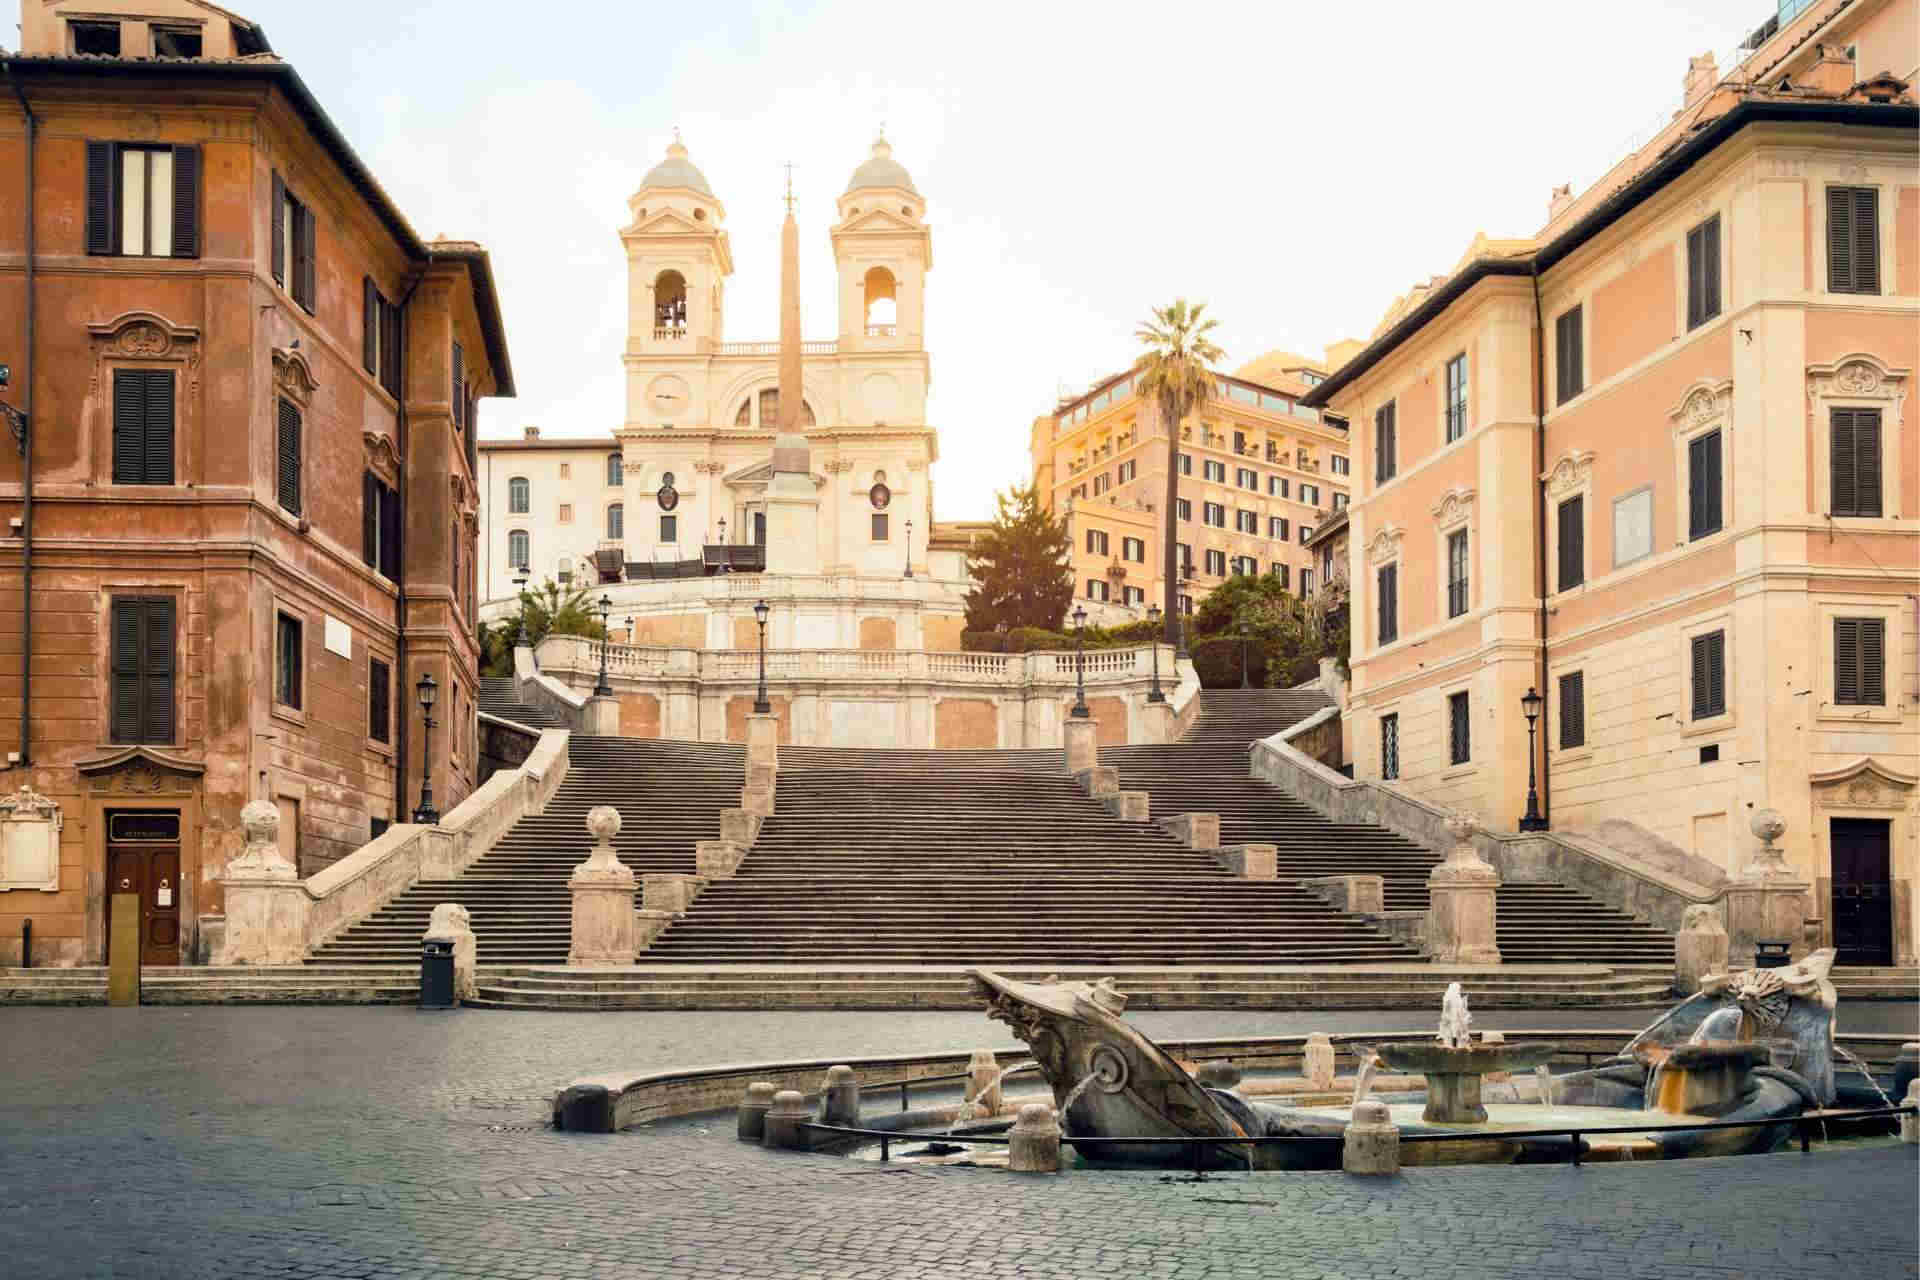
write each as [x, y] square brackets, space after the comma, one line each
[1862, 890]
[143, 859]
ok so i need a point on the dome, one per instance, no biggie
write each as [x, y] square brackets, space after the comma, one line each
[881, 170]
[677, 171]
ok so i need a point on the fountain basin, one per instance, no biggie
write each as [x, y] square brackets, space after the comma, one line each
[1453, 1074]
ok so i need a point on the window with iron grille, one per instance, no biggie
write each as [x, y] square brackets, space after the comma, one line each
[1703, 272]
[142, 678]
[1854, 458]
[1573, 710]
[1703, 485]
[1389, 592]
[1573, 542]
[1390, 747]
[1459, 729]
[1386, 461]
[1709, 661]
[1456, 397]
[1860, 662]
[1456, 573]
[1853, 240]
[143, 426]
[1569, 341]
[379, 701]
[288, 477]
[289, 660]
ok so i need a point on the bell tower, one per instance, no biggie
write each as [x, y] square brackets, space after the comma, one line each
[678, 260]
[883, 251]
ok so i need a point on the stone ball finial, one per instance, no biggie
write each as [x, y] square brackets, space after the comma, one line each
[1768, 825]
[261, 821]
[1461, 826]
[603, 822]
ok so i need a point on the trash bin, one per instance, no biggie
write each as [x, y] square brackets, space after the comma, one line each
[1771, 955]
[436, 973]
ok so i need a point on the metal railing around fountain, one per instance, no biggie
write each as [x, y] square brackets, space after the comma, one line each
[903, 1085]
[1803, 1127]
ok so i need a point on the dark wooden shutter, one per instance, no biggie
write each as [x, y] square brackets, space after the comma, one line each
[157, 713]
[1845, 490]
[1389, 603]
[159, 426]
[278, 213]
[1703, 485]
[1846, 661]
[1866, 240]
[100, 202]
[1568, 354]
[390, 349]
[1573, 549]
[128, 621]
[1703, 272]
[143, 426]
[142, 670]
[1860, 661]
[304, 226]
[1873, 661]
[379, 700]
[288, 434]
[369, 519]
[1855, 462]
[186, 202]
[458, 392]
[390, 533]
[369, 326]
[1573, 710]
[1709, 655]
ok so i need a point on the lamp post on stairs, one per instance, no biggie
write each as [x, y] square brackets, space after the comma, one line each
[1153, 617]
[1080, 711]
[761, 706]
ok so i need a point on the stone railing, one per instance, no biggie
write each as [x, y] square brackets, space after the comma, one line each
[817, 348]
[1186, 699]
[274, 918]
[504, 745]
[536, 688]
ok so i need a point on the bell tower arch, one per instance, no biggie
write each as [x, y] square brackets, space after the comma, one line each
[678, 261]
[883, 251]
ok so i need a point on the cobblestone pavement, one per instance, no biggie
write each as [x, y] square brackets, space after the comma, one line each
[382, 1142]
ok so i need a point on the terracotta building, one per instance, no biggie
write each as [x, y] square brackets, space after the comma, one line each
[246, 524]
[1655, 463]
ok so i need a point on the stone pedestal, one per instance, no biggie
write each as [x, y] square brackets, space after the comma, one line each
[1157, 722]
[451, 923]
[763, 740]
[1768, 902]
[1461, 894]
[840, 1098]
[757, 796]
[717, 859]
[1361, 895]
[1316, 1063]
[1699, 949]
[1250, 861]
[1034, 1141]
[602, 898]
[1083, 751]
[741, 826]
[983, 1082]
[1372, 1144]
[1098, 780]
[1910, 1125]
[1129, 806]
[782, 1127]
[1194, 830]
[750, 1121]
[266, 903]
[601, 717]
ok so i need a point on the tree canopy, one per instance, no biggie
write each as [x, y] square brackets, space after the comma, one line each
[1176, 376]
[548, 610]
[1022, 573]
[1286, 634]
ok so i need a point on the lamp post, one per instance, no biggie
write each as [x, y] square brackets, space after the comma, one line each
[1153, 618]
[1186, 619]
[1080, 711]
[629, 628]
[726, 556]
[1241, 631]
[909, 572]
[520, 590]
[760, 704]
[426, 814]
[603, 689]
[1530, 703]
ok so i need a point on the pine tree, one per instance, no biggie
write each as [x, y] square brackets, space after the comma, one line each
[1022, 573]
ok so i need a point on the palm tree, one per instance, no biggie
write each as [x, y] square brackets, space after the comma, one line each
[1175, 374]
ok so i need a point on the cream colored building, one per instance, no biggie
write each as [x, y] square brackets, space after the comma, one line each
[1258, 471]
[1698, 539]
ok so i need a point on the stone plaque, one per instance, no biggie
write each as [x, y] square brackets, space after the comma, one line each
[339, 637]
[29, 841]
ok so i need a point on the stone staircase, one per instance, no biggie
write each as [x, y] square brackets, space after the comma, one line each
[181, 984]
[497, 699]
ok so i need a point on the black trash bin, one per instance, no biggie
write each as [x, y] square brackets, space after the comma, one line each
[436, 974]
[1771, 955]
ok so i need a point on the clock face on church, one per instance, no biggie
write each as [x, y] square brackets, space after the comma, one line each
[667, 395]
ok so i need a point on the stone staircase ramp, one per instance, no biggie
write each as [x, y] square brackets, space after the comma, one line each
[497, 699]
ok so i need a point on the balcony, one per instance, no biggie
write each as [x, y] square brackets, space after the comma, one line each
[882, 330]
[672, 334]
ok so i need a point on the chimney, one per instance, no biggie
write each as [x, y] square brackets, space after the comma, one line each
[1557, 202]
[1832, 74]
[530, 433]
[1702, 74]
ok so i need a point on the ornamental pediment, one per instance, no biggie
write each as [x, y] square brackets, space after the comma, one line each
[668, 223]
[880, 219]
[1864, 784]
[140, 771]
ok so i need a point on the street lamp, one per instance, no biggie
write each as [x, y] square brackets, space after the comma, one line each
[603, 689]
[1153, 619]
[1241, 631]
[426, 814]
[726, 557]
[909, 572]
[760, 704]
[1530, 704]
[1186, 618]
[1080, 711]
[629, 628]
[520, 590]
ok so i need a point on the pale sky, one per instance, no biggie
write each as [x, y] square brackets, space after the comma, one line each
[1294, 166]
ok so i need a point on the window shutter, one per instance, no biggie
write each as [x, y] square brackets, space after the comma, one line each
[125, 709]
[458, 392]
[390, 350]
[186, 202]
[1873, 661]
[1866, 239]
[1866, 461]
[1839, 240]
[1710, 269]
[278, 214]
[1573, 710]
[1846, 661]
[1695, 284]
[157, 645]
[159, 426]
[100, 176]
[390, 533]
[369, 519]
[289, 457]
[1710, 483]
[1845, 493]
[1573, 551]
[370, 325]
[1703, 485]
[129, 426]
[304, 227]
[379, 715]
[1709, 675]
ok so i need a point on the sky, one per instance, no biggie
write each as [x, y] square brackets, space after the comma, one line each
[1296, 167]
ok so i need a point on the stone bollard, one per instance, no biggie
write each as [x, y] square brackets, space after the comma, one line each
[1194, 830]
[1316, 1062]
[1699, 949]
[451, 923]
[266, 903]
[1373, 1141]
[1128, 806]
[717, 859]
[840, 1098]
[983, 1082]
[782, 1128]
[751, 1119]
[1910, 1125]
[1034, 1140]
[1461, 894]
[1906, 1067]
[1250, 861]
[602, 898]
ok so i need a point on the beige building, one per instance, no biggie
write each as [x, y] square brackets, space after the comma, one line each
[1258, 471]
[1655, 463]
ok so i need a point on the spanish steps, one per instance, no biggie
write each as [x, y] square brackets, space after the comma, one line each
[497, 699]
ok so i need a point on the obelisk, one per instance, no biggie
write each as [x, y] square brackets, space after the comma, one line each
[793, 507]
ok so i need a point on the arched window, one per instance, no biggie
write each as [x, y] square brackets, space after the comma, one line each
[879, 477]
[770, 410]
[669, 305]
[744, 418]
[518, 552]
[519, 496]
[616, 521]
[614, 476]
[881, 311]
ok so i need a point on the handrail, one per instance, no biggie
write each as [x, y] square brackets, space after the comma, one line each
[901, 1085]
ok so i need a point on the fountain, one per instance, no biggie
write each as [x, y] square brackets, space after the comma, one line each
[1453, 1064]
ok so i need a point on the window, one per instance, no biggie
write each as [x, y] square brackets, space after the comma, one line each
[379, 701]
[1568, 359]
[1306, 582]
[1632, 527]
[143, 200]
[1277, 527]
[670, 528]
[1215, 514]
[1459, 729]
[1339, 502]
[1128, 470]
[1310, 494]
[1339, 464]
[1703, 272]
[1277, 487]
[615, 474]
[1079, 491]
[518, 551]
[1102, 483]
[1247, 478]
[1283, 574]
[1703, 485]
[1854, 452]
[1185, 603]
[379, 526]
[293, 244]
[1306, 532]
[1385, 447]
[457, 392]
[1096, 541]
[1183, 508]
[566, 513]
[143, 648]
[1389, 592]
[143, 426]
[1217, 563]
[1214, 471]
[380, 337]
[1133, 595]
[1860, 662]
[1186, 464]
[1246, 521]
[519, 496]
[616, 521]
[1456, 573]
[289, 657]
[1573, 542]
[1709, 653]
[1239, 442]
[176, 42]
[1573, 710]
[1097, 589]
[879, 526]
[100, 39]
[1853, 240]
[1134, 549]
[1185, 554]
[1456, 397]
[1390, 747]
[288, 449]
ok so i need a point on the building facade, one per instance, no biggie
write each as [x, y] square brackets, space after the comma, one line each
[1259, 471]
[1655, 464]
[245, 526]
